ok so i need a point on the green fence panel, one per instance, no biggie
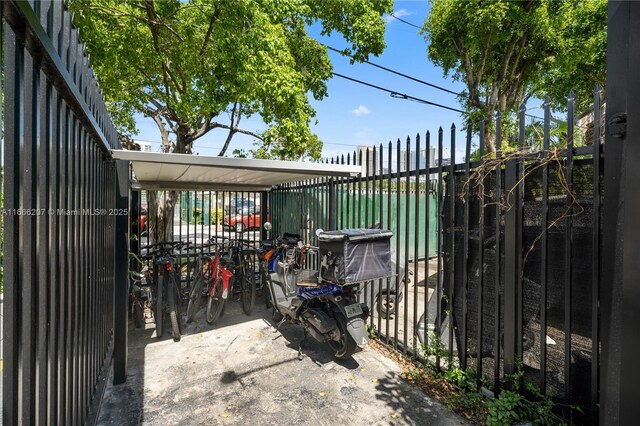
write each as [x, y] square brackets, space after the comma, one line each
[304, 210]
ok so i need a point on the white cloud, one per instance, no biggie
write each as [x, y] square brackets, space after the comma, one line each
[361, 110]
[397, 14]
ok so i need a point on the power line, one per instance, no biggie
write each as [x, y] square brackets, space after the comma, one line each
[396, 72]
[405, 22]
[395, 94]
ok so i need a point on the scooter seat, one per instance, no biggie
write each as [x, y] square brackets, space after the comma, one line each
[307, 284]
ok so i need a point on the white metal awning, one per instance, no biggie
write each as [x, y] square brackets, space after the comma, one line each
[160, 171]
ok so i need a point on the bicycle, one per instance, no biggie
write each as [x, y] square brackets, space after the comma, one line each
[167, 285]
[245, 272]
[201, 268]
[217, 275]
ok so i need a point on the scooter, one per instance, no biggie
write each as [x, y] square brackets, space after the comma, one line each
[328, 312]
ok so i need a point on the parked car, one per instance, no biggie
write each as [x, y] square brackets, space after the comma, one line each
[240, 205]
[243, 220]
[143, 221]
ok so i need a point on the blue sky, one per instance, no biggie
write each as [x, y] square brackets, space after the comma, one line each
[353, 114]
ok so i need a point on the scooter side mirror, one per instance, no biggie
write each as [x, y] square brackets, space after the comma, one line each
[267, 226]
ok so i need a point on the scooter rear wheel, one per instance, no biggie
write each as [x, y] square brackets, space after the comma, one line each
[345, 346]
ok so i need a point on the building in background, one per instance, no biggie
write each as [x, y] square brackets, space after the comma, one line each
[145, 146]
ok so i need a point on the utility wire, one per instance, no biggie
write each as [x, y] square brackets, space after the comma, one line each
[395, 72]
[406, 22]
[395, 94]
[414, 79]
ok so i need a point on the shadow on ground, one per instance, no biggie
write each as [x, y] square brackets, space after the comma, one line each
[240, 371]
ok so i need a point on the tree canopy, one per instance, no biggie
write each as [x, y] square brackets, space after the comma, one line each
[198, 65]
[508, 51]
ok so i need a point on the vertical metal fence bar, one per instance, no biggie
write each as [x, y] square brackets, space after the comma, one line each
[407, 210]
[369, 172]
[519, 232]
[440, 275]
[427, 229]
[359, 197]
[416, 245]
[349, 199]
[452, 244]
[595, 260]
[498, 254]
[366, 188]
[45, 292]
[64, 267]
[54, 272]
[511, 269]
[13, 59]
[342, 197]
[382, 226]
[29, 393]
[76, 260]
[55, 342]
[190, 214]
[544, 222]
[46, 351]
[82, 266]
[398, 228]
[389, 182]
[480, 301]
[568, 271]
[374, 182]
[465, 249]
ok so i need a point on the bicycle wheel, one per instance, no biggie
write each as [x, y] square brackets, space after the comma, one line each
[174, 310]
[194, 297]
[248, 286]
[216, 302]
[159, 311]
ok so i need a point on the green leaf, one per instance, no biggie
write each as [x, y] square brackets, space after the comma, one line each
[188, 63]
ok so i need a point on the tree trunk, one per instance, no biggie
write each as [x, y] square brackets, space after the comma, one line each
[489, 133]
[489, 141]
[161, 204]
[161, 208]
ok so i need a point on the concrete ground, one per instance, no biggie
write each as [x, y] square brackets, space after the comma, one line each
[241, 371]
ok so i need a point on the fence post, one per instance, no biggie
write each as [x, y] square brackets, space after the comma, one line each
[511, 256]
[332, 205]
[121, 291]
[620, 293]
[265, 213]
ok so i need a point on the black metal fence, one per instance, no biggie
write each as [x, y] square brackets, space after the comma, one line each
[59, 229]
[507, 278]
[200, 215]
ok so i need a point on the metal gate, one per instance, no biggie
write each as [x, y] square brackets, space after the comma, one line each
[503, 253]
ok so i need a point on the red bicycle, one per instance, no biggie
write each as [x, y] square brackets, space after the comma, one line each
[217, 273]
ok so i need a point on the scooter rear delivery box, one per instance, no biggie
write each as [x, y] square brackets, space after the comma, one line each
[355, 255]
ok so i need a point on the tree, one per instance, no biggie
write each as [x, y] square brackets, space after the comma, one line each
[199, 65]
[509, 51]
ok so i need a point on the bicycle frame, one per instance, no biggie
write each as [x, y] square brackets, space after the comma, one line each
[217, 271]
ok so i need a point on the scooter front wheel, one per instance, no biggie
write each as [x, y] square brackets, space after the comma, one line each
[345, 346]
[276, 316]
